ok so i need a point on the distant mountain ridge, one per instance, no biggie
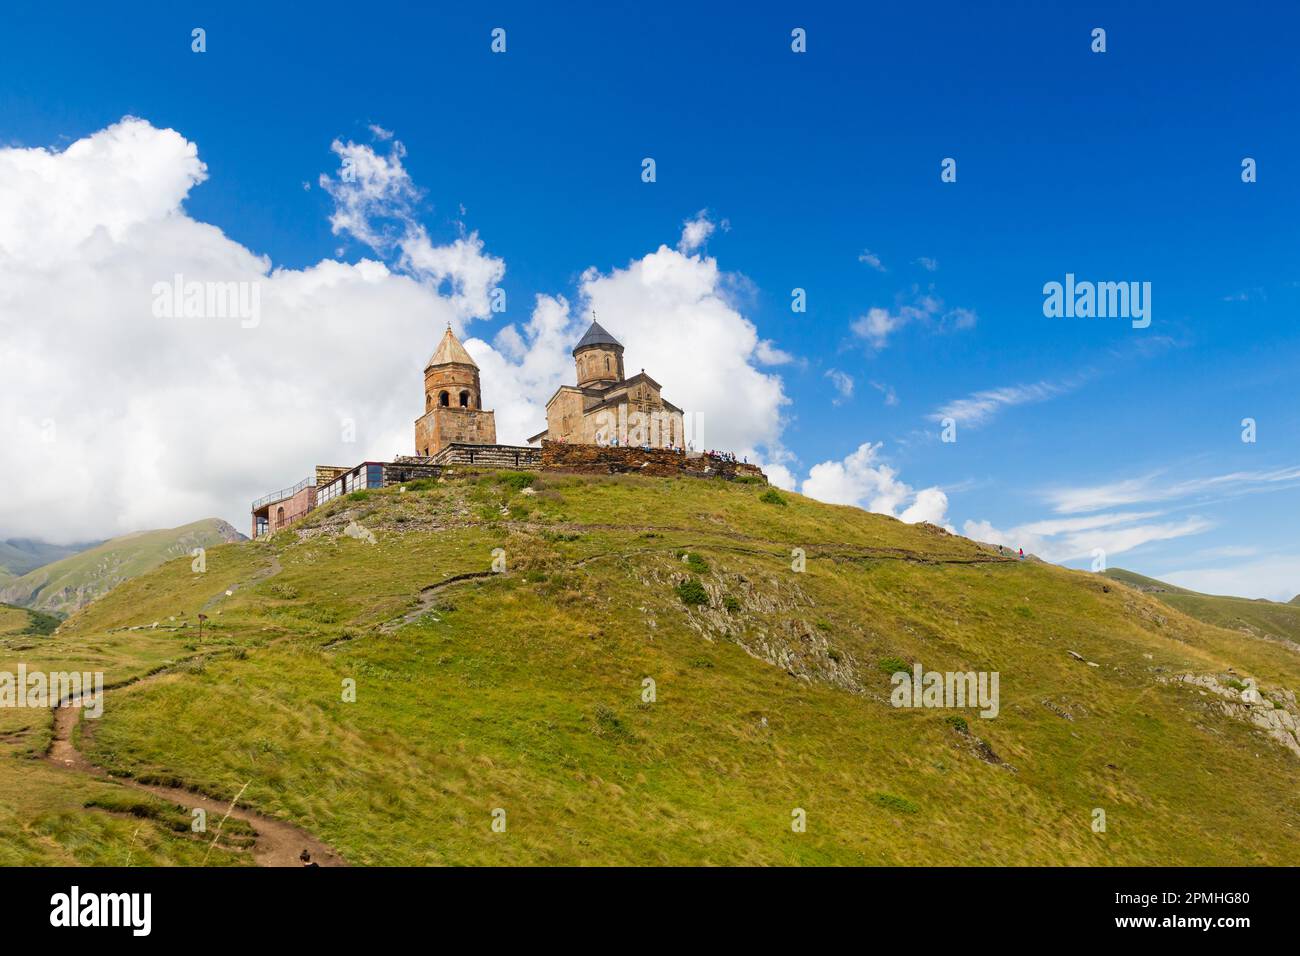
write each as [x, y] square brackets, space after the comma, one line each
[20, 555]
[70, 583]
[1256, 616]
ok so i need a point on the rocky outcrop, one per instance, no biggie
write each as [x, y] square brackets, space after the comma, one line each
[772, 619]
[1274, 712]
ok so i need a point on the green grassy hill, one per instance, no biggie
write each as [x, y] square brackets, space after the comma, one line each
[19, 621]
[72, 582]
[1265, 619]
[525, 694]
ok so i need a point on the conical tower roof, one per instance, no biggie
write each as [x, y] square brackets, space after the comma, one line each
[450, 352]
[596, 336]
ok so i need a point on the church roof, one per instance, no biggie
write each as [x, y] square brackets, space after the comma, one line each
[595, 336]
[450, 351]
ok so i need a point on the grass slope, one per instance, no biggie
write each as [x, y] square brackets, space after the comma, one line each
[525, 692]
[73, 582]
[1266, 619]
[19, 621]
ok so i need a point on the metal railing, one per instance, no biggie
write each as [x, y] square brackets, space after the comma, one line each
[283, 493]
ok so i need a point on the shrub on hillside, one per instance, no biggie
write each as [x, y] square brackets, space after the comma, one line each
[892, 665]
[771, 497]
[691, 591]
[898, 804]
[41, 623]
[694, 562]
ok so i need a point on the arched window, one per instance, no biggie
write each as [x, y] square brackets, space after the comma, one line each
[279, 517]
[444, 399]
[606, 363]
[464, 400]
[428, 402]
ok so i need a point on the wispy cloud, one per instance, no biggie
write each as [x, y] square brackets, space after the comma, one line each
[1275, 578]
[1072, 540]
[843, 383]
[1101, 518]
[1246, 295]
[1149, 488]
[979, 408]
[878, 323]
[871, 259]
[375, 202]
[1226, 551]
[891, 397]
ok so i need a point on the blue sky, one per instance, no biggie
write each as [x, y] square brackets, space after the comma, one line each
[820, 171]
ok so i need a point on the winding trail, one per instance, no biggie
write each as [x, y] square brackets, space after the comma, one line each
[277, 843]
[428, 596]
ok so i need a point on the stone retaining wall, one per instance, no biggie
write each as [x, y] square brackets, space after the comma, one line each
[488, 456]
[656, 462]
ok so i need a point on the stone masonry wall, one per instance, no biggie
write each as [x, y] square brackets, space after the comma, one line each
[657, 462]
[489, 456]
[443, 426]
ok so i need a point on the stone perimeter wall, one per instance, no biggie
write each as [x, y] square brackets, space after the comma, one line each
[488, 456]
[656, 462]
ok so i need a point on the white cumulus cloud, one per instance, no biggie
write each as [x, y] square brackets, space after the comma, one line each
[119, 419]
[695, 232]
[861, 479]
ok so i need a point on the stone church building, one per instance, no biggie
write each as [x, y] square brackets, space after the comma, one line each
[455, 431]
[607, 408]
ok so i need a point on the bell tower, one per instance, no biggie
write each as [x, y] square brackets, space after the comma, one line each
[451, 376]
[453, 401]
[599, 358]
